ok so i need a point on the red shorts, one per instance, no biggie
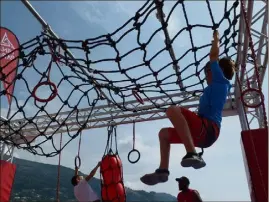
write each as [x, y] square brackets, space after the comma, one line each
[203, 131]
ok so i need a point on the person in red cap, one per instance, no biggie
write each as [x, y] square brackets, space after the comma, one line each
[187, 194]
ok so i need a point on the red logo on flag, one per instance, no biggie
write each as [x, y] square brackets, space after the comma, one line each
[8, 59]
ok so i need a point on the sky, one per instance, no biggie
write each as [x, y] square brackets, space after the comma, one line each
[225, 170]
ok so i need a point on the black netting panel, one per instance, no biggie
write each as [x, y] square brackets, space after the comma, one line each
[50, 80]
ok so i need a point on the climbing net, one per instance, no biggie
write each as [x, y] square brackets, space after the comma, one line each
[50, 79]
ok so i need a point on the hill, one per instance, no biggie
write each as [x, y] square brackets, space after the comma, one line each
[37, 182]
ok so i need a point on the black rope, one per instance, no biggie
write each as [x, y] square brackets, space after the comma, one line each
[133, 149]
[84, 79]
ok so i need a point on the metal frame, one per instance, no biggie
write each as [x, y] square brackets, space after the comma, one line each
[160, 15]
[102, 115]
[247, 68]
[6, 151]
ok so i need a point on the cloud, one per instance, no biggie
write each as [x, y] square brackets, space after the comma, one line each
[174, 26]
[90, 11]
[135, 185]
[98, 13]
[93, 12]
[129, 9]
[126, 144]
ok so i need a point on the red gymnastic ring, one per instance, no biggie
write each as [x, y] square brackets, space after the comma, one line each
[251, 90]
[138, 98]
[77, 162]
[51, 97]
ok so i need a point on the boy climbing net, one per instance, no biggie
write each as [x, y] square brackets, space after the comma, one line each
[196, 130]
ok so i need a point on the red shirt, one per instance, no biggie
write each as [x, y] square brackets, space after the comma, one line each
[187, 196]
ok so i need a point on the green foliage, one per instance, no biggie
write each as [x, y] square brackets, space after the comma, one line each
[37, 182]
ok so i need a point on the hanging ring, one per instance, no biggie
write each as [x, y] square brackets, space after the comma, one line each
[255, 93]
[134, 151]
[52, 86]
[77, 162]
[45, 83]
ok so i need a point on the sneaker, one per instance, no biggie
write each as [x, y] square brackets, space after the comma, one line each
[159, 176]
[193, 160]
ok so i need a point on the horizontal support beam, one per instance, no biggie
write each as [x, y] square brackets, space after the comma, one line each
[101, 117]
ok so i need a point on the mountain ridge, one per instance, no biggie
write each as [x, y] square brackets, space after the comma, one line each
[41, 186]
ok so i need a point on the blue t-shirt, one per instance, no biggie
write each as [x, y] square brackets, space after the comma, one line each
[215, 94]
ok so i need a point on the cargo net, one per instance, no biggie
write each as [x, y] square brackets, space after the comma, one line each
[102, 70]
